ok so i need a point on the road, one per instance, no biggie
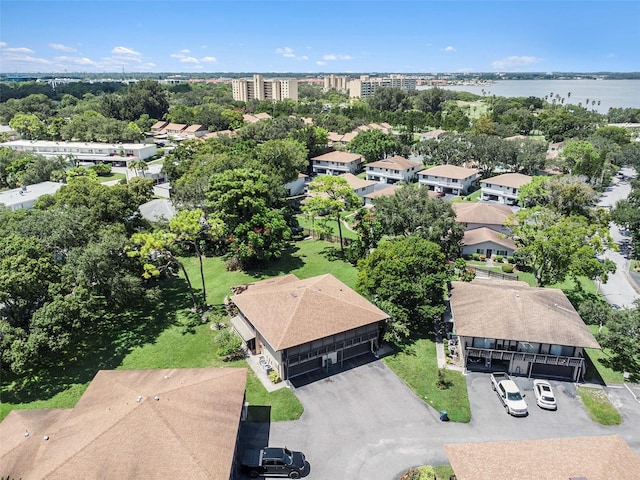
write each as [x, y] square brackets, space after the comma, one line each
[619, 289]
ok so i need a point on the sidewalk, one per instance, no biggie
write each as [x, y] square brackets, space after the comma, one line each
[442, 356]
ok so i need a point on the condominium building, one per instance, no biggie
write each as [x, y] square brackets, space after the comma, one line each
[336, 82]
[366, 86]
[258, 88]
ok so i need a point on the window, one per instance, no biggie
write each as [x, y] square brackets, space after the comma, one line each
[501, 252]
[480, 251]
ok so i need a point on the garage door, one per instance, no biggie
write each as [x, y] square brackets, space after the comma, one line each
[357, 350]
[541, 370]
[305, 367]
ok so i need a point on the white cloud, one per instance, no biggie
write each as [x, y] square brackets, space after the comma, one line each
[189, 60]
[321, 63]
[26, 51]
[61, 47]
[288, 52]
[514, 61]
[284, 51]
[125, 52]
[3, 44]
[185, 51]
[209, 59]
[332, 56]
[449, 49]
[75, 60]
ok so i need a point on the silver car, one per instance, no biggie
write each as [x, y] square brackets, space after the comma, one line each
[544, 395]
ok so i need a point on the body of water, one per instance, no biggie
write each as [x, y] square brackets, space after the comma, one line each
[606, 93]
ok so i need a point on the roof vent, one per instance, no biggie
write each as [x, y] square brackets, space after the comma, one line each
[26, 433]
[166, 377]
[156, 398]
[138, 399]
[46, 437]
[293, 294]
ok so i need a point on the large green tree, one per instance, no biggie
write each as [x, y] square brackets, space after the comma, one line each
[622, 339]
[581, 158]
[566, 194]
[407, 278]
[411, 212]
[556, 247]
[331, 196]
[255, 225]
[373, 145]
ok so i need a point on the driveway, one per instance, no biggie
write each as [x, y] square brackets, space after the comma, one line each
[365, 423]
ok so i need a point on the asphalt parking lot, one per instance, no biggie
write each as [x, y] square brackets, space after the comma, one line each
[365, 423]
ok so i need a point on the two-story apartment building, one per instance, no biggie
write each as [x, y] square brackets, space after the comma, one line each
[504, 188]
[529, 331]
[392, 170]
[360, 186]
[485, 230]
[449, 179]
[336, 163]
[86, 151]
[301, 326]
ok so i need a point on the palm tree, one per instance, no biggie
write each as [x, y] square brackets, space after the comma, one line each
[568, 94]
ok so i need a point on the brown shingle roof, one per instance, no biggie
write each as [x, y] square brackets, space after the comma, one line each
[484, 213]
[339, 157]
[357, 183]
[289, 312]
[396, 163]
[159, 125]
[515, 311]
[513, 180]
[189, 432]
[593, 458]
[335, 137]
[484, 234]
[449, 171]
[383, 192]
[349, 136]
[194, 128]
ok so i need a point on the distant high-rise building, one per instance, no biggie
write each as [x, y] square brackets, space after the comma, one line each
[337, 82]
[366, 86]
[260, 89]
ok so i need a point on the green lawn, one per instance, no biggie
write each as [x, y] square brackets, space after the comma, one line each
[417, 366]
[598, 359]
[599, 407]
[171, 337]
[305, 222]
[113, 176]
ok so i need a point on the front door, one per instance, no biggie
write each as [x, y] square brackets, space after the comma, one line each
[489, 253]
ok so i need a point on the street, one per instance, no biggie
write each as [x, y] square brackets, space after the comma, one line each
[619, 289]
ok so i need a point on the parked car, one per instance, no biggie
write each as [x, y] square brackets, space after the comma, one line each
[273, 462]
[544, 395]
[509, 394]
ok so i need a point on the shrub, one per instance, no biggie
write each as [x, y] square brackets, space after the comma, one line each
[233, 264]
[483, 258]
[443, 382]
[229, 345]
[510, 259]
[274, 377]
[507, 268]
[102, 169]
[498, 258]
[476, 256]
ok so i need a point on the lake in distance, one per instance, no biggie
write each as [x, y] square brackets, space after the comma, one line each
[610, 93]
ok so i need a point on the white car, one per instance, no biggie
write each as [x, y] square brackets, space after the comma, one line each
[544, 395]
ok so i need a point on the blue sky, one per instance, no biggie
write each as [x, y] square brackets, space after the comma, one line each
[319, 36]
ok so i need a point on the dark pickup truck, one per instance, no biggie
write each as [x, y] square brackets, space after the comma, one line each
[273, 462]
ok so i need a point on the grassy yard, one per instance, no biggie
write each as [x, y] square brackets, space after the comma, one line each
[169, 337]
[599, 407]
[599, 358]
[113, 176]
[305, 222]
[417, 366]
[427, 472]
